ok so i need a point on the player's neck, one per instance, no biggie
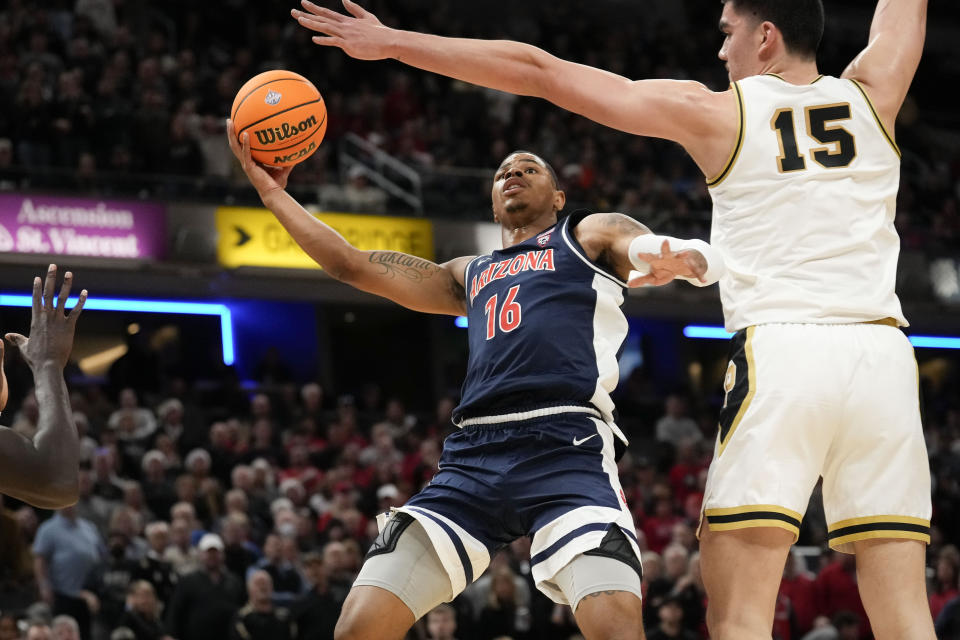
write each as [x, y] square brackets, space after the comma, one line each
[793, 70]
[511, 234]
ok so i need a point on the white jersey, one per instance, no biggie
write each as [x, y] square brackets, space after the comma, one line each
[803, 212]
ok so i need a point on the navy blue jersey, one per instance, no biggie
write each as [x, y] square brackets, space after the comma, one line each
[545, 327]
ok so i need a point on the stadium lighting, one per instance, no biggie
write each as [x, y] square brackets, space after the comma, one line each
[149, 306]
[460, 321]
[711, 333]
[920, 342]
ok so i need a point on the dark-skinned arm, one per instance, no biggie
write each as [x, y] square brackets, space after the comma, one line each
[44, 471]
[608, 239]
[410, 281]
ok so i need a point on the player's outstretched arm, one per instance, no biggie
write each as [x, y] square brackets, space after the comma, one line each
[682, 111]
[410, 281]
[43, 471]
[887, 66]
[630, 250]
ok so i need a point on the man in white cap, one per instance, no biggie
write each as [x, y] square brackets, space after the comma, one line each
[204, 601]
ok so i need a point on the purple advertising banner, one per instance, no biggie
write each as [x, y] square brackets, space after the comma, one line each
[81, 227]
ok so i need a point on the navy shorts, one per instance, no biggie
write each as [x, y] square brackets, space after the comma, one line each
[553, 478]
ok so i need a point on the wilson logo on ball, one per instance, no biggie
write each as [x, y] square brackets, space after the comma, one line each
[296, 154]
[272, 98]
[284, 131]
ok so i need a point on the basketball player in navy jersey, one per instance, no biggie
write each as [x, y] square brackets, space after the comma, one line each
[43, 471]
[535, 453]
[803, 170]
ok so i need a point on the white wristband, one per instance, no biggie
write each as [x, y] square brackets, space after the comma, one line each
[650, 243]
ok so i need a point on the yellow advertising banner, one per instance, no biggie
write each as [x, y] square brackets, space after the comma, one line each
[251, 237]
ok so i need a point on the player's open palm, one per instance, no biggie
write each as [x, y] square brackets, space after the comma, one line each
[667, 265]
[264, 179]
[360, 34]
[51, 328]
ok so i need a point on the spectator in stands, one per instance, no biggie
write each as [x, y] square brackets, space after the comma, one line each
[315, 613]
[280, 562]
[501, 614]
[116, 576]
[676, 427]
[153, 567]
[39, 631]
[8, 627]
[845, 625]
[65, 628]
[239, 554]
[442, 622]
[67, 551]
[658, 527]
[671, 626]
[945, 581]
[259, 619]
[158, 493]
[798, 588]
[106, 483]
[836, 588]
[221, 449]
[656, 586]
[142, 615]
[179, 552]
[204, 601]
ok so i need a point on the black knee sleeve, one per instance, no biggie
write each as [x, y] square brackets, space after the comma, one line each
[387, 540]
[615, 545]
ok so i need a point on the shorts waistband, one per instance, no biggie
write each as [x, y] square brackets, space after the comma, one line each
[527, 415]
[887, 322]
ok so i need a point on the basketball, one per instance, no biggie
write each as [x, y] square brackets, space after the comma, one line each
[284, 115]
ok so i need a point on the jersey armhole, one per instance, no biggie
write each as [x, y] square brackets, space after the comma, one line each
[713, 182]
[565, 232]
[883, 129]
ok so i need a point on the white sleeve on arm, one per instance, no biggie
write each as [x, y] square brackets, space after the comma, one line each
[650, 243]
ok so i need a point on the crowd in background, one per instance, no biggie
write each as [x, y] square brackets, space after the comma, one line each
[119, 97]
[218, 511]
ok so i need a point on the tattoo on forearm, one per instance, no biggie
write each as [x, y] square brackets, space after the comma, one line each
[393, 263]
[623, 224]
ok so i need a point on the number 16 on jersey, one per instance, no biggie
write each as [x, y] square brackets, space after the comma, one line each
[509, 316]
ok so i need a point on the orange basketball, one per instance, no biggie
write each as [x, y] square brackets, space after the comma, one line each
[284, 115]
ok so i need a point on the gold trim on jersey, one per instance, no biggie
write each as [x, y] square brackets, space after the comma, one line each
[838, 150]
[751, 390]
[737, 148]
[886, 134]
[754, 515]
[779, 77]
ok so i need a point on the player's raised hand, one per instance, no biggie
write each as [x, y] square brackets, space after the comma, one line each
[667, 265]
[264, 179]
[360, 34]
[51, 329]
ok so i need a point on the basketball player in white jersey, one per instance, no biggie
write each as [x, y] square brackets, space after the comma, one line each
[803, 170]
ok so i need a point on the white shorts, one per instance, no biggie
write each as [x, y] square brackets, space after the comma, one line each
[805, 401]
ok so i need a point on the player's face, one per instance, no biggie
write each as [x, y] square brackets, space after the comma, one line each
[742, 39]
[524, 189]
